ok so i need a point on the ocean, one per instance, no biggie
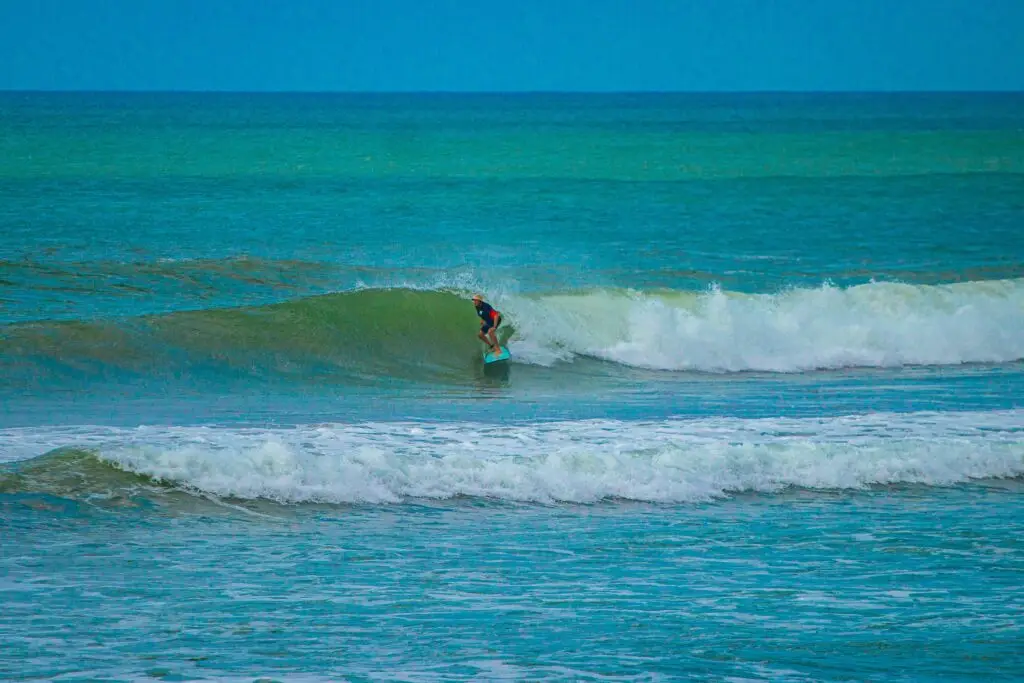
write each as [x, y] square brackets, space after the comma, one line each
[764, 417]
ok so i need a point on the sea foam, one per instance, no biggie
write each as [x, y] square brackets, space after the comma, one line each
[547, 462]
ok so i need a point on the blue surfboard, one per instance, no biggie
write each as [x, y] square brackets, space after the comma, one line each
[491, 357]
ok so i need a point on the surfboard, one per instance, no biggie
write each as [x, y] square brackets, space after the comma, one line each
[491, 357]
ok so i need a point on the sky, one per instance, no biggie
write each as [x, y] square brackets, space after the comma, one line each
[512, 45]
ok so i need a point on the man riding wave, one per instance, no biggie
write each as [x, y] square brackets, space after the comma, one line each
[490, 320]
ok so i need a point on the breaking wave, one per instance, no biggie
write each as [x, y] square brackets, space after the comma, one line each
[429, 335]
[668, 461]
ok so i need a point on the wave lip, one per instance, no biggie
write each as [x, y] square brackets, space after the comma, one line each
[673, 461]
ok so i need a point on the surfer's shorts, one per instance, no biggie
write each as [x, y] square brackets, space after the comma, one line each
[488, 325]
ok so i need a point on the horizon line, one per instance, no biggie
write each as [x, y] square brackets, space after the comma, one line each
[198, 91]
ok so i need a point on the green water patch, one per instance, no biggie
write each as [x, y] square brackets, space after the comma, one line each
[359, 336]
[399, 332]
[74, 481]
[620, 154]
[77, 475]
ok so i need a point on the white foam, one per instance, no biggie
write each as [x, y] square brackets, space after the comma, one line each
[871, 325]
[580, 461]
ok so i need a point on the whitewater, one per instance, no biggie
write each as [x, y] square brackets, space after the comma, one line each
[870, 325]
[674, 461]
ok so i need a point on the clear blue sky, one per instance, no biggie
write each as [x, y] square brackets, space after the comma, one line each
[510, 45]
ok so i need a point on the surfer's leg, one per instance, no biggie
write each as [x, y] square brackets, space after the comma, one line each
[487, 335]
[494, 335]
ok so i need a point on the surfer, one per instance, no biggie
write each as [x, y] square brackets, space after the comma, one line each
[490, 319]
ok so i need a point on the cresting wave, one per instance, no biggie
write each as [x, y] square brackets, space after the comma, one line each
[671, 461]
[372, 333]
[870, 325]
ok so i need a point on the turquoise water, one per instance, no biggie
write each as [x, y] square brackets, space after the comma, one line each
[764, 419]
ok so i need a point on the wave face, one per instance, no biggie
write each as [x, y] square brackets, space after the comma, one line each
[430, 335]
[365, 335]
[666, 461]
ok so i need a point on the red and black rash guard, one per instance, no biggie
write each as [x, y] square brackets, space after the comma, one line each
[487, 314]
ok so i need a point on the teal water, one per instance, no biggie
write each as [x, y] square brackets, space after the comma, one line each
[764, 419]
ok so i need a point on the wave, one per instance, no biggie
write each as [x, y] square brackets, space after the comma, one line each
[430, 335]
[671, 461]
